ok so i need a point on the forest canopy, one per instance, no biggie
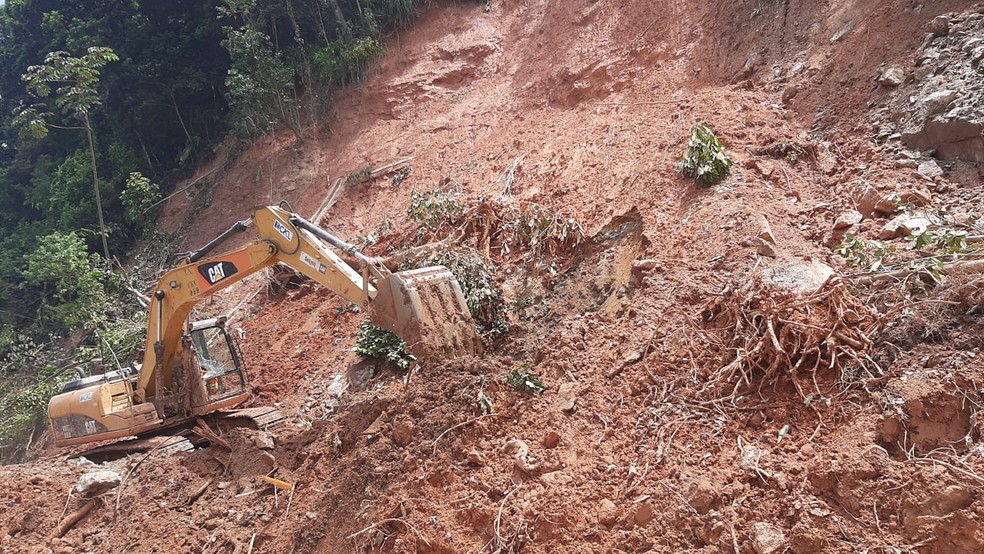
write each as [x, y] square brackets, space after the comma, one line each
[105, 104]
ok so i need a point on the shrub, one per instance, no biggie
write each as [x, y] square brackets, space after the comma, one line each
[705, 159]
[436, 207]
[138, 198]
[376, 342]
[521, 378]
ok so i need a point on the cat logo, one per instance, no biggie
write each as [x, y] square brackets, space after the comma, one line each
[216, 271]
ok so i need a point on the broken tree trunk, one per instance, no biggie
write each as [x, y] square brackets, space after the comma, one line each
[74, 518]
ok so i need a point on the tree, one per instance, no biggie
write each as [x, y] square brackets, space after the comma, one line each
[74, 81]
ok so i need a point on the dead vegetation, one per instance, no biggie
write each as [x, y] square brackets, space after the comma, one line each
[767, 333]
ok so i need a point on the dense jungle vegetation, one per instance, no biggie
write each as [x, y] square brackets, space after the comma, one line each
[105, 104]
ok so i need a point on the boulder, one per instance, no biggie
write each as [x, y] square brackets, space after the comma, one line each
[955, 135]
[870, 201]
[95, 483]
[903, 226]
[891, 77]
[929, 170]
[939, 25]
[847, 220]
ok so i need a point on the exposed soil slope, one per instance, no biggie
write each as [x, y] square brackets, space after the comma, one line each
[640, 443]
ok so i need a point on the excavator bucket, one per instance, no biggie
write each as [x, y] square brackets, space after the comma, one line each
[425, 308]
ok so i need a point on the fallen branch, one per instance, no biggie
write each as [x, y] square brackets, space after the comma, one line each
[391, 520]
[458, 426]
[204, 431]
[74, 518]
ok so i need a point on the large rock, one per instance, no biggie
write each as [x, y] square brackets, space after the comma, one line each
[955, 135]
[891, 77]
[797, 276]
[95, 483]
[929, 170]
[903, 226]
[870, 201]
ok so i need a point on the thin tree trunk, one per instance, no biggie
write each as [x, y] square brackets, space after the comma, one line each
[95, 185]
[343, 28]
[180, 119]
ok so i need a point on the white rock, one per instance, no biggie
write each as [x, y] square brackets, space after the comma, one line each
[97, 482]
[848, 219]
[930, 170]
[892, 77]
[767, 538]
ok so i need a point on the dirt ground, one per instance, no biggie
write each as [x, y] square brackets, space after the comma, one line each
[642, 441]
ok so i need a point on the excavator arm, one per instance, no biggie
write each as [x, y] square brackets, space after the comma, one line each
[424, 307]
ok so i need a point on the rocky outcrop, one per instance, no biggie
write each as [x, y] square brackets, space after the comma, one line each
[944, 113]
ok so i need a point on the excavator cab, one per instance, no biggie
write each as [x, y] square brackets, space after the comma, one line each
[219, 360]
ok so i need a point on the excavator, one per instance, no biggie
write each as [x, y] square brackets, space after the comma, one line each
[190, 369]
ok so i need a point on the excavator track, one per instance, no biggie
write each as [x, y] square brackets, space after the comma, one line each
[262, 417]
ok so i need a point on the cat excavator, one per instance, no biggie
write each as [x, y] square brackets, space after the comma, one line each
[190, 369]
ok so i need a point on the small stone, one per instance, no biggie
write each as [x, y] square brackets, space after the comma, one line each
[222, 485]
[566, 397]
[848, 219]
[97, 482]
[645, 265]
[929, 170]
[762, 247]
[607, 512]
[403, 433]
[765, 230]
[644, 513]
[551, 439]
[703, 497]
[767, 538]
[269, 458]
[475, 458]
[892, 77]
[263, 441]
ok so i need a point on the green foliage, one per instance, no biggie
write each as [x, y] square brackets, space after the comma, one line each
[376, 342]
[341, 63]
[522, 379]
[138, 198]
[946, 241]
[397, 12]
[74, 81]
[259, 82]
[482, 294]
[436, 208]
[858, 253]
[705, 159]
[358, 177]
[71, 281]
[401, 175]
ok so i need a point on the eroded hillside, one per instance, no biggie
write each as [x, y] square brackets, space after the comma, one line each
[708, 389]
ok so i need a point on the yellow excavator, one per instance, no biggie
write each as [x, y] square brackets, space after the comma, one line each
[191, 369]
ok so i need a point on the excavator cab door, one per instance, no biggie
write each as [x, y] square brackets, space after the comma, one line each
[221, 366]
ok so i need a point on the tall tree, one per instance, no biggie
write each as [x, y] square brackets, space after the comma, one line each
[75, 96]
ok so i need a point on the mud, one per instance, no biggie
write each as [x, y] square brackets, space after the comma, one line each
[631, 448]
